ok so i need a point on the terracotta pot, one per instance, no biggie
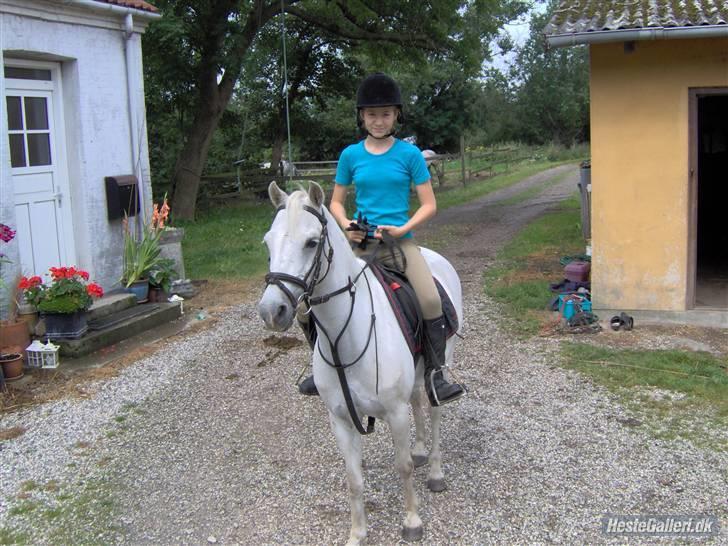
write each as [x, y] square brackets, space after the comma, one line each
[16, 333]
[31, 319]
[12, 364]
[156, 295]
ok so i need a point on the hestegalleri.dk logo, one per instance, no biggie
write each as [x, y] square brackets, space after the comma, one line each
[680, 525]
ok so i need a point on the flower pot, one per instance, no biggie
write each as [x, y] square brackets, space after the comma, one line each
[30, 319]
[12, 364]
[140, 289]
[156, 294]
[16, 333]
[65, 325]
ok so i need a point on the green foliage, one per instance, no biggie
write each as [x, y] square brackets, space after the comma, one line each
[141, 253]
[543, 97]
[162, 274]
[553, 99]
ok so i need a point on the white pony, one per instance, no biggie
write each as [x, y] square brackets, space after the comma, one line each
[311, 260]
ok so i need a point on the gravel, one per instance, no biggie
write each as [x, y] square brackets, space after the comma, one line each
[208, 442]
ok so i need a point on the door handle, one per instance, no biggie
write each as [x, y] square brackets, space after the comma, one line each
[58, 196]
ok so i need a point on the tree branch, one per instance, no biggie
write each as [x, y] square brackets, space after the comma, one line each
[360, 34]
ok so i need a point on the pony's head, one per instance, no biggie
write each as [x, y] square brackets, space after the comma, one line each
[295, 242]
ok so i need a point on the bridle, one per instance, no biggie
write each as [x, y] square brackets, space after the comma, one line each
[311, 278]
[309, 282]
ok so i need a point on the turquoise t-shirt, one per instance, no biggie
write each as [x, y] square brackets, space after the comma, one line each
[382, 181]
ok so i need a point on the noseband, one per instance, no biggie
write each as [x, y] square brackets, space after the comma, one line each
[311, 278]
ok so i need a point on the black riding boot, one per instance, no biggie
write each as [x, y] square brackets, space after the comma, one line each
[307, 386]
[439, 391]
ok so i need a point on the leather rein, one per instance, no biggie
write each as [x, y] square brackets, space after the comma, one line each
[308, 283]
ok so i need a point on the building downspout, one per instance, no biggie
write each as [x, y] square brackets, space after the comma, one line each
[132, 84]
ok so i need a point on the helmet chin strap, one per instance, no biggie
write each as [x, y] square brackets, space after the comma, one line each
[385, 137]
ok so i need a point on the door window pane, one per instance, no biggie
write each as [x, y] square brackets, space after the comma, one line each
[36, 113]
[15, 114]
[27, 73]
[39, 149]
[17, 151]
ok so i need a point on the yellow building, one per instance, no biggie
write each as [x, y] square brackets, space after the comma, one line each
[659, 144]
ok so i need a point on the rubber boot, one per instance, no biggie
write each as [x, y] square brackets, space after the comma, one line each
[438, 389]
[307, 386]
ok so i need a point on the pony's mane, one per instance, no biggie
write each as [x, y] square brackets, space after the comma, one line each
[294, 207]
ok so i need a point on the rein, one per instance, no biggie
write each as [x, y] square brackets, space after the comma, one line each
[309, 283]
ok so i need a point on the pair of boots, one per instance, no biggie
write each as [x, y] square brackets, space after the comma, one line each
[438, 389]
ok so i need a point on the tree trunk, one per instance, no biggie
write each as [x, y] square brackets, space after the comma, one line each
[277, 151]
[190, 162]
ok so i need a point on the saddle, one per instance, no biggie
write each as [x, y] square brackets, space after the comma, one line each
[404, 303]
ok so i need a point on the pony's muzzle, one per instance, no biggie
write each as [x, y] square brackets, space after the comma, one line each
[277, 313]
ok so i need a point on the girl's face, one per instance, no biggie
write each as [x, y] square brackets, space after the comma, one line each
[380, 120]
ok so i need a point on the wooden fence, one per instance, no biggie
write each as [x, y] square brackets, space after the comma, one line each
[444, 169]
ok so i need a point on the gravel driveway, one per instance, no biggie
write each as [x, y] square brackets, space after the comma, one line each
[207, 441]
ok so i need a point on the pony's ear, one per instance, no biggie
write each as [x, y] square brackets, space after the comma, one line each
[315, 194]
[277, 196]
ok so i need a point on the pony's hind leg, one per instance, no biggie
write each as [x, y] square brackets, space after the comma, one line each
[349, 442]
[399, 424]
[419, 451]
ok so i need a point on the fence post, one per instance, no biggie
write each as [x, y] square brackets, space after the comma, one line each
[462, 156]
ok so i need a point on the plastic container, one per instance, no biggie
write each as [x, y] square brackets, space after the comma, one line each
[570, 304]
[577, 271]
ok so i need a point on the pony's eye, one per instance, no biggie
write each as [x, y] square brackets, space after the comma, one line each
[311, 243]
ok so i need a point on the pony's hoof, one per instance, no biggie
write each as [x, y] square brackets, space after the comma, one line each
[436, 486]
[419, 460]
[412, 534]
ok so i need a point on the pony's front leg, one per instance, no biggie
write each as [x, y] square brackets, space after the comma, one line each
[419, 451]
[435, 477]
[399, 424]
[349, 442]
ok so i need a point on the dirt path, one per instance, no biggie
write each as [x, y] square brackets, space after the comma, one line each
[208, 441]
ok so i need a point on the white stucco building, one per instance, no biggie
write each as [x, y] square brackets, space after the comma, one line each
[72, 113]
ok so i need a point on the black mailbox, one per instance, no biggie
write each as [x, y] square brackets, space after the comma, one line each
[122, 196]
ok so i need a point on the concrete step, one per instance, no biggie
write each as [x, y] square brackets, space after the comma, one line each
[152, 316]
[110, 304]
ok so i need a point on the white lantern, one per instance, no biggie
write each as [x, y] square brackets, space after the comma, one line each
[42, 355]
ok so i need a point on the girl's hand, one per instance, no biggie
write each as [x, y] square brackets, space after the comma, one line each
[395, 231]
[355, 236]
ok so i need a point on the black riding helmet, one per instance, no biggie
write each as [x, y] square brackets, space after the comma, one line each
[378, 90]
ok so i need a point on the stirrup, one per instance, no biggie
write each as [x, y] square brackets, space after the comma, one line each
[433, 390]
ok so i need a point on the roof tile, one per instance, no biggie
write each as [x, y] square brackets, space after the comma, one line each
[137, 4]
[574, 16]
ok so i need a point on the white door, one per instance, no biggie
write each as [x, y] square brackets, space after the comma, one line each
[35, 136]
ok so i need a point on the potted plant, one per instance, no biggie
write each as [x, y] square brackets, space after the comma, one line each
[12, 331]
[63, 302]
[160, 279]
[142, 253]
[11, 360]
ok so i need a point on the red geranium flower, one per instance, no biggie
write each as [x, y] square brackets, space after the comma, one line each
[94, 290]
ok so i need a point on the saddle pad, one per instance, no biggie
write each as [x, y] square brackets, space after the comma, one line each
[404, 303]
